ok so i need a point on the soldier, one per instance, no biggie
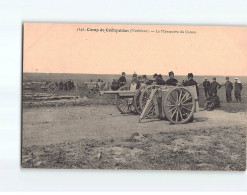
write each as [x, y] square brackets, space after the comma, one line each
[149, 81]
[206, 86]
[122, 80]
[72, 85]
[191, 82]
[212, 102]
[229, 88]
[159, 80]
[237, 89]
[144, 78]
[171, 81]
[214, 86]
[61, 85]
[65, 85]
[135, 81]
[114, 85]
[69, 85]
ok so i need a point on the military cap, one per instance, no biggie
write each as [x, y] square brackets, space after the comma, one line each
[155, 75]
[170, 73]
[190, 75]
[123, 73]
[214, 78]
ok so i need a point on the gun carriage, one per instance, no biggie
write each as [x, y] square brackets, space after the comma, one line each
[174, 103]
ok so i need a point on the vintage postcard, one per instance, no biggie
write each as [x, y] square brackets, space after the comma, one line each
[150, 97]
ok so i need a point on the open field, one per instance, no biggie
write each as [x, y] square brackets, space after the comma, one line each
[89, 132]
[101, 137]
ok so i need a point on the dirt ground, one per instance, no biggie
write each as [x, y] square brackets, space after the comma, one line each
[98, 136]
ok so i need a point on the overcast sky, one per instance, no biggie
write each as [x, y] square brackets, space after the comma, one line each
[61, 48]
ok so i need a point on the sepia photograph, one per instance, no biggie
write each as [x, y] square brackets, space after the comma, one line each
[138, 97]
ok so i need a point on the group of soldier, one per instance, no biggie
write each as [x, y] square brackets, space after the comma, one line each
[65, 85]
[210, 89]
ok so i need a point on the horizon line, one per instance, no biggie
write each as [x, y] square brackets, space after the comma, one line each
[128, 74]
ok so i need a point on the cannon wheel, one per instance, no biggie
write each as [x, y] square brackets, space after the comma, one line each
[137, 99]
[145, 95]
[122, 103]
[179, 105]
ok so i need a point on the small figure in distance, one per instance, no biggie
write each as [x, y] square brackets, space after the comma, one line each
[206, 86]
[237, 89]
[214, 86]
[229, 88]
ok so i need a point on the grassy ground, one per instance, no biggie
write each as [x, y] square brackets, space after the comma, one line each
[204, 149]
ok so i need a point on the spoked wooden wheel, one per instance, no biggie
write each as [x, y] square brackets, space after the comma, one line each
[124, 104]
[145, 95]
[179, 105]
[137, 99]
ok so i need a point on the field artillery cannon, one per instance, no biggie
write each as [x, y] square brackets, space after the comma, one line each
[177, 104]
[127, 98]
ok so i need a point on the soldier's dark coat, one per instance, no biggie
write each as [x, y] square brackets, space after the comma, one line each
[172, 81]
[229, 88]
[160, 81]
[122, 79]
[206, 86]
[191, 83]
[214, 87]
[213, 102]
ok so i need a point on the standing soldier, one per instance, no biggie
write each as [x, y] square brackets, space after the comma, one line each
[191, 82]
[69, 85]
[206, 86]
[61, 85]
[229, 88]
[214, 86]
[237, 89]
[171, 81]
[122, 80]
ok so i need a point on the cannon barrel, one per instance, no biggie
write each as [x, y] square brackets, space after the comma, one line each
[120, 93]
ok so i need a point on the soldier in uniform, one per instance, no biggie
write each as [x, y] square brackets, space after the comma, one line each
[61, 85]
[229, 88]
[69, 84]
[114, 85]
[149, 81]
[135, 81]
[191, 82]
[214, 86]
[237, 89]
[122, 80]
[206, 86]
[171, 81]
[212, 102]
[159, 80]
